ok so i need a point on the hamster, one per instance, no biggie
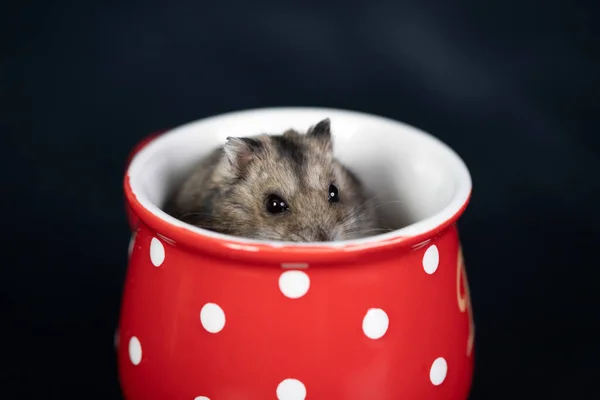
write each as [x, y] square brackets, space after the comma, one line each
[286, 187]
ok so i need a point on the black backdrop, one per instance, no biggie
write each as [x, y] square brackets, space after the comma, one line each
[512, 87]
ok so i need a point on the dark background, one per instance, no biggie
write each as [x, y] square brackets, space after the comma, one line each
[511, 86]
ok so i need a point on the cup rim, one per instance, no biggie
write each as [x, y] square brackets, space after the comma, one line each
[173, 230]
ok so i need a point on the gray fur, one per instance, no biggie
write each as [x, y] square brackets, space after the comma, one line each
[227, 191]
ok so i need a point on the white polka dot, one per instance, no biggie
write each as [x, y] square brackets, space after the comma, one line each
[201, 398]
[294, 284]
[212, 318]
[438, 371]
[157, 252]
[375, 323]
[431, 259]
[135, 350]
[291, 389]
[131, 243]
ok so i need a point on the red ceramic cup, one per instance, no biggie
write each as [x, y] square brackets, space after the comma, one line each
[209, 316]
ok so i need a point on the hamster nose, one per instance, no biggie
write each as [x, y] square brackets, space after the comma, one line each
[322, 236]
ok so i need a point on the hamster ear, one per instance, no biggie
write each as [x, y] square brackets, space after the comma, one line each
[322, 132]
[241, 152]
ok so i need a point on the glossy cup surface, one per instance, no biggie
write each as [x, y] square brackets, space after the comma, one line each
[208, 316]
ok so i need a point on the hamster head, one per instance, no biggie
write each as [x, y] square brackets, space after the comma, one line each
[290, 187]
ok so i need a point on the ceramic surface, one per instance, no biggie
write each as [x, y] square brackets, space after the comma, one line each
[208, 316]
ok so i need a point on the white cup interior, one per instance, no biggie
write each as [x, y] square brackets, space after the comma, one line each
[417, 180]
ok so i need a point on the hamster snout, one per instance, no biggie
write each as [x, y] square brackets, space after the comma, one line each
[284, 187]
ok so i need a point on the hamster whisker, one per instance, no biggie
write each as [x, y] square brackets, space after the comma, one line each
[385, 203]
[372, 230]
[195, 214]
[386, 227]
[363, 232]
[303, 238]
[354, 215]
[367, 202]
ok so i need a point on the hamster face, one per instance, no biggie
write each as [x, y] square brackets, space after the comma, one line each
[290, 187]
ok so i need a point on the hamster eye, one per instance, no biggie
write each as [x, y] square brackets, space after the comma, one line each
[276, 204]
[333, 194]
